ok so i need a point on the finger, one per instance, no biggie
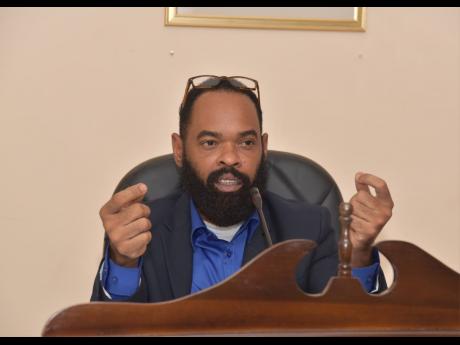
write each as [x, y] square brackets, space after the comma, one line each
[358, 223]
[362, 212]
[140, 239]
[124, 197]
[363, 230]
[136, 246]
[366, 199]
[134, 211]
[137, 227]
[358, 226]
[380, 185]
[129, 203]
[361, 186]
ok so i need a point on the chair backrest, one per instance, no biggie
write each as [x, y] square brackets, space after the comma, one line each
[289, 175]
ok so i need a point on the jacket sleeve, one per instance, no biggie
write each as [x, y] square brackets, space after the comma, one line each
[324, 259]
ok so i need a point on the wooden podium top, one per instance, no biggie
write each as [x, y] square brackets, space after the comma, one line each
[264, 299]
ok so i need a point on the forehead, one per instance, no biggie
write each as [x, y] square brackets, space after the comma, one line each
[223, 111]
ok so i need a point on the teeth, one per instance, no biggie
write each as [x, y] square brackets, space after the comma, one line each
[229, 182]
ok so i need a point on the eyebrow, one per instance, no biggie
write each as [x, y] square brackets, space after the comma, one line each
[208, 134]
[248, 133]
[218, 135]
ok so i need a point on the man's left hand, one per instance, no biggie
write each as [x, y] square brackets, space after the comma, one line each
[370, 214]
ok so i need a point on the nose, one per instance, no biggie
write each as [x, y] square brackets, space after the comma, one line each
[229, 156]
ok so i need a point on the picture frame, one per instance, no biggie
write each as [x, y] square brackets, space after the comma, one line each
[285, 18]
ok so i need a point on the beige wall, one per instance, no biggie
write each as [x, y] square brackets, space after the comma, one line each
[85, 94]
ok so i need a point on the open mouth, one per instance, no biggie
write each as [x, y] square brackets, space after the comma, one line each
[228, 183]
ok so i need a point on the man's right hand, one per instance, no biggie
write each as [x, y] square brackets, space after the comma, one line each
[126, 223]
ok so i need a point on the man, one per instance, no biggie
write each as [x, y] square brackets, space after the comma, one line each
[188, 242]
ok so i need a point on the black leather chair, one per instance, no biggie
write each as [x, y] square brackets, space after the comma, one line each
[289, 175]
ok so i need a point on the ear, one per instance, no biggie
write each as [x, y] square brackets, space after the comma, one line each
[178, 147]
[265, 143]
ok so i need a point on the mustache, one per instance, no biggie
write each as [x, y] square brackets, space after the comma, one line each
[215, 175]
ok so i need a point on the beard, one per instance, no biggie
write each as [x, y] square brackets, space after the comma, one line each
[222, 208]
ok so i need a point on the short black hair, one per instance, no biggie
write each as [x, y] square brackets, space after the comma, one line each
[186, 111]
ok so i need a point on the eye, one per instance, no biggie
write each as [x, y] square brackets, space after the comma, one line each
[208, 143]
[248, 143]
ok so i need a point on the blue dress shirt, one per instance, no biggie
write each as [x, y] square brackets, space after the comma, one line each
[213, 261]
[119, 282]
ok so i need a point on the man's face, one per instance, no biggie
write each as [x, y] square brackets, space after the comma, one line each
[223, 148]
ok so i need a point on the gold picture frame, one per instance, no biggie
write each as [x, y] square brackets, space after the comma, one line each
[356, 22]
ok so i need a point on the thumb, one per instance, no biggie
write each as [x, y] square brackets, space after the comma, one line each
[361, 186]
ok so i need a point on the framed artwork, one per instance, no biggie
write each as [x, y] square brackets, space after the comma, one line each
[290, 18]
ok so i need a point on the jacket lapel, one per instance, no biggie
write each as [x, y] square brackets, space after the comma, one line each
[178, 248]
[257, 242]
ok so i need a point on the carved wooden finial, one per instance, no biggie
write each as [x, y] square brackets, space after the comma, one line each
[345, 246]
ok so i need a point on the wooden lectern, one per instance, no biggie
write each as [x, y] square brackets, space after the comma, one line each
[264, 299]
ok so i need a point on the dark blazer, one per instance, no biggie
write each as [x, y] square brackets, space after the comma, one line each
[167, 266]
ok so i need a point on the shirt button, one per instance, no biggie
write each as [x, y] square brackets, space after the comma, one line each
[228, 253]
[114, 280]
